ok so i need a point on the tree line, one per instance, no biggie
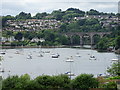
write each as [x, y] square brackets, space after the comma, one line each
[67, 15]
[83, 81]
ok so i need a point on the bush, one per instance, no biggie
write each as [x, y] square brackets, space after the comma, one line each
[84, 81]
[109, 85]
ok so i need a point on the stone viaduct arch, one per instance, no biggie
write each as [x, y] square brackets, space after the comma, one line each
[90, 34]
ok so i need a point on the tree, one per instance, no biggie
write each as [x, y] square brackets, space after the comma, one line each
[63, 27]
[110, 86]
[7, 33]
[44, 81]
[84, 81]
[91, 21]
[76, 40]
[40, 15]
[114, 69]
[16, 82]
[60, 81]
[5, 18]
[10, 82]
[23, 15]
[93, 12]
[58, 14]
[81, 22]
[102, 44]
[76, 11]
[18, 36]
[117, 42]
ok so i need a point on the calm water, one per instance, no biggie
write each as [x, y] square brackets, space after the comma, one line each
[18, 64]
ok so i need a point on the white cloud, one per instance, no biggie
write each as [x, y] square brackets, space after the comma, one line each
[14, 7]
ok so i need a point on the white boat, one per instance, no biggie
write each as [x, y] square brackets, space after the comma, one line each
[55, 55]
[40, 52]
[92, 58]
[17, 52]
[29, 57]
[2, 53]
[40, 55]
[70, 74]
[115, 59]
[77, 55]
[70, 59]
[2, 70]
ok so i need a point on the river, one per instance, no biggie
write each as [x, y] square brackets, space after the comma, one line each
[18, 64]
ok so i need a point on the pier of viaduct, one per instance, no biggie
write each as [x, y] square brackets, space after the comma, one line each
[83, 34]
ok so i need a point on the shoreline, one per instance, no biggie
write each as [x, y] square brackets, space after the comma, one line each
[62, 46]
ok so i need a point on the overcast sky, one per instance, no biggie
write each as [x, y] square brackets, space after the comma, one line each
[14, 7]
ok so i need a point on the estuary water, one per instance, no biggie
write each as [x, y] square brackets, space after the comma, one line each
[16, 62]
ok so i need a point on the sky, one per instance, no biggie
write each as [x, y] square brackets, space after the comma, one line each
[14, 7]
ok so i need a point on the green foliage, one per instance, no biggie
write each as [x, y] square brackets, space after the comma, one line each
[110, 86]
[76, 40]
[112, 78]
[102, 45]
[91, 22]
[84, 81]
[105, 43]
[10, 83]
[114, 69]
[15, 82]
[58, 14]
[5, 18]
[93, 12]
[7, 33]
[18, 36]
[84, 25]
[23, 15]
[61, 81]
[117, 42]
[40, 15]
[48, 82]
[76, 10]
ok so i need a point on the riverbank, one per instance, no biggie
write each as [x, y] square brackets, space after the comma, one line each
[61, 46]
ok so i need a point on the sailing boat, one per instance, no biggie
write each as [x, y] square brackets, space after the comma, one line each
[69, 73]
[29, 56]
[92, 57]
[77, 55]
[55, 55]
[2, 52]
[40, 55]
[70, 59]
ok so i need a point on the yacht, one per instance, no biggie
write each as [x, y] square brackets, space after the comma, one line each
[2, 53]
[77, 55]
[70, 59]
[70, 74]
[55, 55]
[40, 55]
[114, 59]
[92, 58]
[29, 57]
[17, 52]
